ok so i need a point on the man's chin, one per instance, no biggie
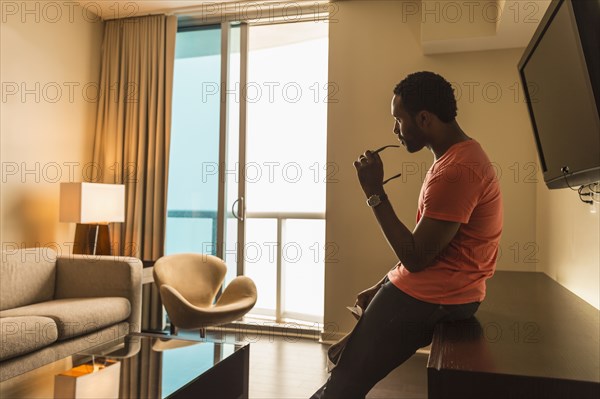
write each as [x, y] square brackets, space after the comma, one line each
[413, 148]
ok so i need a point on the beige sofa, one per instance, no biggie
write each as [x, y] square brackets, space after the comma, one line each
[52, 307]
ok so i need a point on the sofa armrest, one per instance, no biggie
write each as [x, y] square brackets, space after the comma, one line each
[85, 276]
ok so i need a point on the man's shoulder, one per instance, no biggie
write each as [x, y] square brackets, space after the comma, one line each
[469, 158]
[470, 155]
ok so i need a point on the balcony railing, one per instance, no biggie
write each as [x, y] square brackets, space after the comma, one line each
[281, 217]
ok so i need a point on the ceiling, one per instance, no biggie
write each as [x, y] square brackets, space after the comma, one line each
[515, 25]
[111, 9]
[484, 25]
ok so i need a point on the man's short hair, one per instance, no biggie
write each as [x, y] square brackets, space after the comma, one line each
[427, 91]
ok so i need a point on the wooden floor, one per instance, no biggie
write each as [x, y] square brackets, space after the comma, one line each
[284, 367]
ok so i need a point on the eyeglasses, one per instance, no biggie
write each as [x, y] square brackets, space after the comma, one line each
[383, 148]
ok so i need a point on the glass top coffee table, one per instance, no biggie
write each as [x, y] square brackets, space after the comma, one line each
[147, 366]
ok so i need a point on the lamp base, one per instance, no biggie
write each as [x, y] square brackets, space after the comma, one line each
[89, 381]
[85, 238]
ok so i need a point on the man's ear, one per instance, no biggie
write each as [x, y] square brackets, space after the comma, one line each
[423, 119]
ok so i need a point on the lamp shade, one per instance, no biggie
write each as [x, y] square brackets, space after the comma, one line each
[90, 203]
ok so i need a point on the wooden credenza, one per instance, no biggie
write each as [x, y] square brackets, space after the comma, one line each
[531, 338]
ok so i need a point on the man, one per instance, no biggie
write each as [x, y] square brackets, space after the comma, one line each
[444, 262]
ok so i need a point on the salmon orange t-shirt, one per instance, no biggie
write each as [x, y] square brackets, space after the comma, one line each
[461, 186]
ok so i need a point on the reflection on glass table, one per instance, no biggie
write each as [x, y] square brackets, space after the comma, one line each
[151, 366]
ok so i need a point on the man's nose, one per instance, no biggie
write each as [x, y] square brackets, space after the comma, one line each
[396, 128]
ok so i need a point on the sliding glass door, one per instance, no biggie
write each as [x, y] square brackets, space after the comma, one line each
[204, 154]
[286, 163]
[193, 184]
[248, 158]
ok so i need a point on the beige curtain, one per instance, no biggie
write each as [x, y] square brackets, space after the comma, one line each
[133, 127]
[131, 147]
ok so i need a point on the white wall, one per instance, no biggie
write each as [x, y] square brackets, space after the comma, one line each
[568, 236]
[373, 45]
[50, 66]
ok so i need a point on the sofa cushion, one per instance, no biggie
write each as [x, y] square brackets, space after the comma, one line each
[21, 335]
[77, 316]
[27, 276]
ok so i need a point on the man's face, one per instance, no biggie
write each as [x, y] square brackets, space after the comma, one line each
[406, 128]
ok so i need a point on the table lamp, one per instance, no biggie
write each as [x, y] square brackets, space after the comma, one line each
[92, 206]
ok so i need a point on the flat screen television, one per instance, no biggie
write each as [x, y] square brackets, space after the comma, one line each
[560, 73]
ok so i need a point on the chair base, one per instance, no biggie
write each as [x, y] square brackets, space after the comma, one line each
[174, 330]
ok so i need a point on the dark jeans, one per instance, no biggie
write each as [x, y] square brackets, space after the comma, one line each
[390, 331]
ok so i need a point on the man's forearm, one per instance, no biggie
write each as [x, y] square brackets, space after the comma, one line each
[398, 236]
[402, 241]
